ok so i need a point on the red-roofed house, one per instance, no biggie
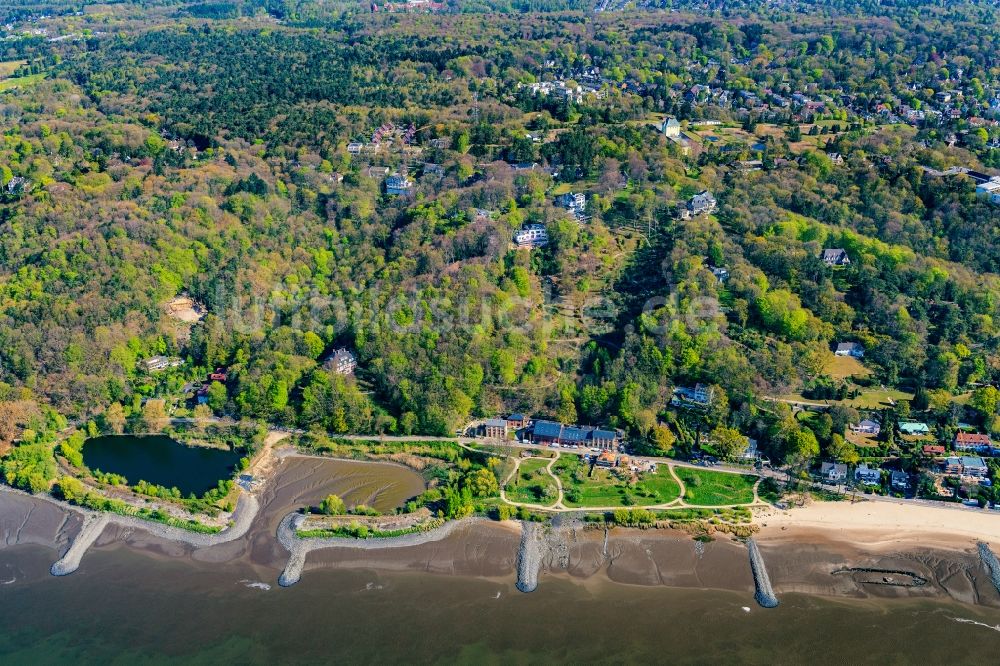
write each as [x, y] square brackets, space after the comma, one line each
[931, 450]
[971, 441]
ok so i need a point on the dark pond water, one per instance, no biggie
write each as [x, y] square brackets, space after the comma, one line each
[161, 460]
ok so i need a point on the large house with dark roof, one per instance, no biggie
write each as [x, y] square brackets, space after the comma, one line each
[550, 432]
[835, 256]
[494, 428]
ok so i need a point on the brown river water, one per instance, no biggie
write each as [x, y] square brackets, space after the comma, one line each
[136, 599]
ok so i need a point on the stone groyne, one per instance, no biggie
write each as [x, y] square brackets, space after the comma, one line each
[93, 526]
[765, 593]
[94, 523]
[529, 557]
[299, 548]
[989, 560]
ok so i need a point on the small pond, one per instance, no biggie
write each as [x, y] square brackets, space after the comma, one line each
[161, 460]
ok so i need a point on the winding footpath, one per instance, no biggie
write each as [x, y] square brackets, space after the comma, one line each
[559, 505]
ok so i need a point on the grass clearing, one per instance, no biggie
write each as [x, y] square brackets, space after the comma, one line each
[532, 484]
[9, 67]
[658, 487]
[602, 487]
[708, 488]
[878, 398]
[844, 367]
[21, 82]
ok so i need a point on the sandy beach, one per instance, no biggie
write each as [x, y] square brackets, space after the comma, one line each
[876, 523]
[825, 548]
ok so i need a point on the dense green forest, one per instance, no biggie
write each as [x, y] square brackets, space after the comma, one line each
[157, 149]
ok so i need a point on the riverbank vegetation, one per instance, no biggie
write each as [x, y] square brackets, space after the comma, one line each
[75, 492]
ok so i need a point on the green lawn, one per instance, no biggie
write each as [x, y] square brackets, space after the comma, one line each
[21, 82]
[532, 484]
[707, 488]
[658, 488]
[878, 398]
[603, 488]
[599, 489]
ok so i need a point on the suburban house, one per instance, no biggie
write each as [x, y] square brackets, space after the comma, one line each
[220, 375]
[397, 185]
[952, 465]
[900, 481]
[550, 432]
[852, 349]
[494, 429]
[572, 200]
[751, 452]
[700, 396]
[702, 203]
[967, 465]
[833, 472]
[971, 441]
[355, 147]
[869, 476]
[914, 428]
[606, 459]
[974, 466]
[342, 362]
[517, 421]
[932, 450]
[867, 427]
[721, 274]
[990, 190]
[835, 257]
[670, 127]
[531, 235]
[155, 363]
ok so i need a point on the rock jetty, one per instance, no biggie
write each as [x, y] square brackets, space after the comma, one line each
[93, 526]
[765, 593]
[989, 560]
[299, 548]
[529, 557]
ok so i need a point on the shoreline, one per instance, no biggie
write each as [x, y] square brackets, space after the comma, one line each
[94, 523]
[829, 549]
[299, 548]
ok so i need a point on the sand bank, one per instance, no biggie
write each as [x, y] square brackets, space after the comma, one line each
[881, 522]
